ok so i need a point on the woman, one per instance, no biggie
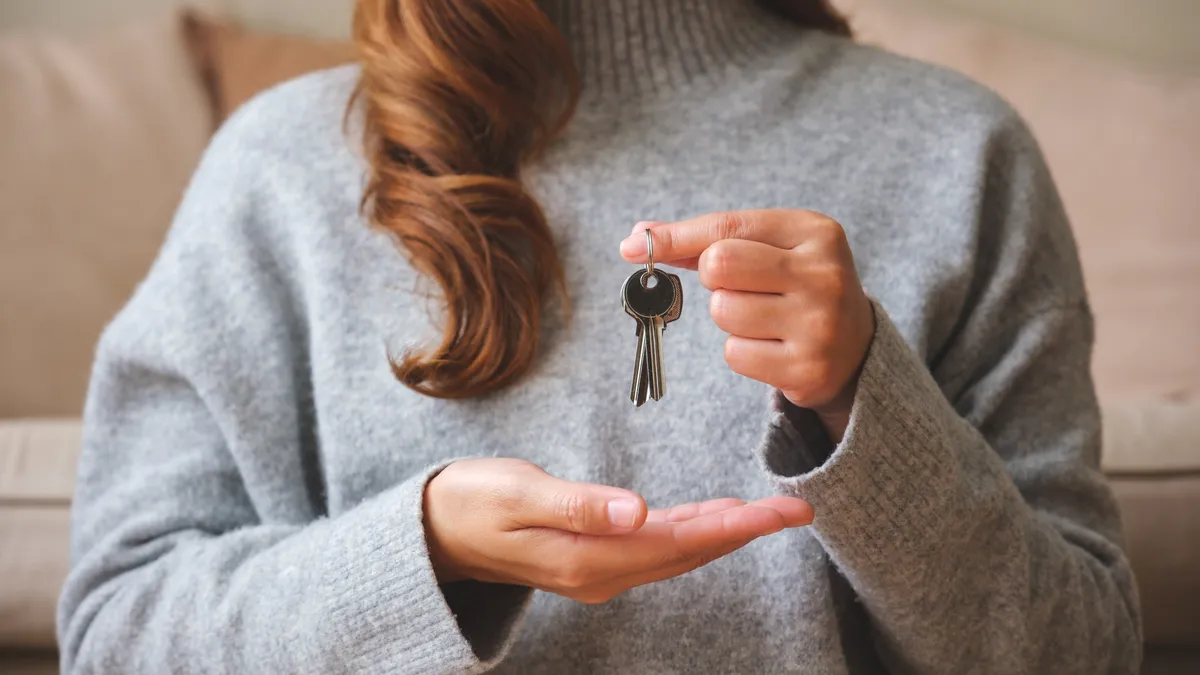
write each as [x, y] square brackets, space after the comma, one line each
[261, 492]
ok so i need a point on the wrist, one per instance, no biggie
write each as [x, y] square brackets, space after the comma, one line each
[444, 566]
[835, 415]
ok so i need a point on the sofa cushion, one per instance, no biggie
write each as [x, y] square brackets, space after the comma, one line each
[98, 137]
[1171, 661]
[34, 539]
[39, 662]
[1152, 439]
[38, 458]
[1122, 144]
[1152, 460]
[1161, 518]
[37, 476]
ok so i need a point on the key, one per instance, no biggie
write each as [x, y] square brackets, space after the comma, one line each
[639, 388]
[659, 377]
[635, 297]
[672, 314]
[651, 363]
[652, 307]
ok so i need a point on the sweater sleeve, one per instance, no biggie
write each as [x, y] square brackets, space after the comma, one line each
[967, 510]
[201, 547]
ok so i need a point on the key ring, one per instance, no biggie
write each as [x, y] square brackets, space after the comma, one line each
[649, 257]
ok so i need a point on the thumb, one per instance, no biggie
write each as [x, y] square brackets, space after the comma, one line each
[580, 507]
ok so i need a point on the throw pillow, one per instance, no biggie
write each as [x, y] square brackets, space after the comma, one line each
[243, 63]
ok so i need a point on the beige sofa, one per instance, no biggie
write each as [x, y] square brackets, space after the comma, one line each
[98, 136]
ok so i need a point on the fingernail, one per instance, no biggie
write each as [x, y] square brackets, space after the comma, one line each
[622, 512]
[645, 225]
[633, 246]
[802, 519]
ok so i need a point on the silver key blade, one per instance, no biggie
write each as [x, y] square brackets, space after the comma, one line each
[637, 390]
[652, 359]
[640, 384]
[643, 385]
[660, 326]
[672, 314]
[658, 387]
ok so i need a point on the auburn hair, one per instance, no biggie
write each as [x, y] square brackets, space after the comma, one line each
[456, 96]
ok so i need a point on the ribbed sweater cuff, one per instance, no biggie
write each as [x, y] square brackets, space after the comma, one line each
[906, 472]
[387, 611]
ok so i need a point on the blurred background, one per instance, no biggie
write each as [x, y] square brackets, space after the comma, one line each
[106, 105]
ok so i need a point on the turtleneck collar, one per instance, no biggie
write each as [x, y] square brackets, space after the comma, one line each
[641, 48]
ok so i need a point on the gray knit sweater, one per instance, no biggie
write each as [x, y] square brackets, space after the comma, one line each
[249, 496]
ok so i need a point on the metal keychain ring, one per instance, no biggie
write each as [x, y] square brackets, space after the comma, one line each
[649, 257]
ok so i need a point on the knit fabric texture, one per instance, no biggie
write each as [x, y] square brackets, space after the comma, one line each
[250, 489]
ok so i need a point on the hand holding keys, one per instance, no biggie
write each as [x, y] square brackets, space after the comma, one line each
[786, 291]
[654, 299]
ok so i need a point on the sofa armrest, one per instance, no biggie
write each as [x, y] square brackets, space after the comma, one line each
[37, 476]
[1152, 459]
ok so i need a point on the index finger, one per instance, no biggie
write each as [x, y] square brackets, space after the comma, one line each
[689, 238]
